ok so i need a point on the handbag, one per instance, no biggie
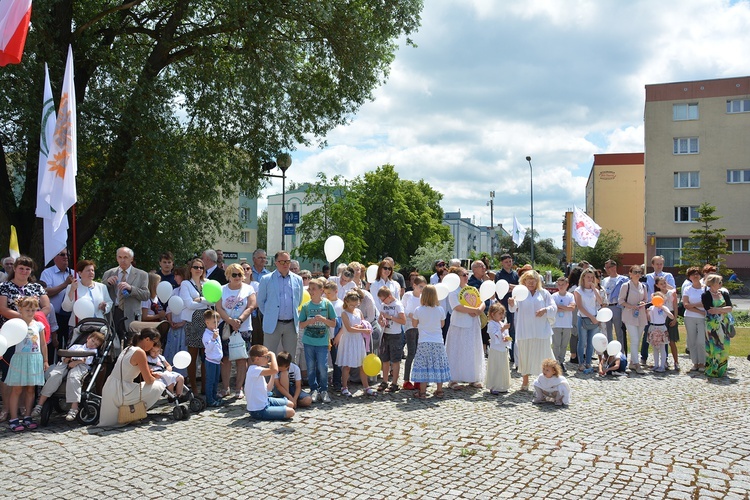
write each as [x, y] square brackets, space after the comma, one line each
[587, 323]
[237, 347]
[132, 412]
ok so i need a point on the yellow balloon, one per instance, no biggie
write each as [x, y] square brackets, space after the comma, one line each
[372, 365]
[305, 299]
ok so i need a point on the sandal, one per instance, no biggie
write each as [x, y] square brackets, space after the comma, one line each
[393, 388]
[371, 392]
[383, 385]
[345, 392]
[439, 394]
[420, 395]
[71, 415]
[29, 423]
[454, 386]
[16, 425]
[525, 387]
[477, 385]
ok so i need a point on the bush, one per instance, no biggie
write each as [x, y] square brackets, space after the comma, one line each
[556, 272]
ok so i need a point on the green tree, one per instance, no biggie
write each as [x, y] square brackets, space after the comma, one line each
[426, 255]
[607, 247]
[400, 215]
[707, 244]
[178, 100]
[339, 214]
[545, 251]
[263, 230]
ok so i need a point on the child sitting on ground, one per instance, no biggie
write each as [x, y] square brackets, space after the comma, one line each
[551, 385]
[159, 364]
[613, 365]
[259, 404]
[288, 382]
[76, 369]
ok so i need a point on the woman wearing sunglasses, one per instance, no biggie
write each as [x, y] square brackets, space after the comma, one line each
[384, 278]
[191, 293]
[235, 308]
[633, 301]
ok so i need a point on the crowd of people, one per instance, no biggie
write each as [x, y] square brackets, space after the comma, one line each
[284, 327]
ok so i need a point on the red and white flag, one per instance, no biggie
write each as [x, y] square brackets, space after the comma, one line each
[585, 230]
[54, 241]
[59, 183]
[14, 26]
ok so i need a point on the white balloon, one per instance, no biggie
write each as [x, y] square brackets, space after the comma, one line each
[84, 308]
[604, 315]
[442, 291]
[181, 360]
[176, 305]
[487, 290]
[451, 281]
[614, 348]
[14, 330]
[599, 342]
[520, 293]
[3, 345]
[333, 248]
[501, 289]
[164, 291]
[372, 273]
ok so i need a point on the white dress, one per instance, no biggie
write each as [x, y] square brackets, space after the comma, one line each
[117, 392]
[463, 345]
[351, 346]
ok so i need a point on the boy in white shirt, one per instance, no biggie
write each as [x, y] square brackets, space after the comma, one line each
[563, 327]
[288, 382]
[214, 353]
[392, 319]
[261, 407]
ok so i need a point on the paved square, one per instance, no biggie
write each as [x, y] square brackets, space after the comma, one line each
[650, 436]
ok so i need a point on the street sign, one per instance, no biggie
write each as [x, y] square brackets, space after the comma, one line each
[288, 230]
[231, 255]
[291, 218]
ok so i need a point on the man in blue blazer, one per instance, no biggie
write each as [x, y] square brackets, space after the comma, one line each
[279, 296]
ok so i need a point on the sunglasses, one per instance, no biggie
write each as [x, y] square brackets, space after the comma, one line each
[387, 268]
[442, 264]
[236, 275]
[198, 267]
[636, 272]
[284, 262]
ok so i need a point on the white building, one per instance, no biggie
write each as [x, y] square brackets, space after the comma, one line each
[240, 246]
[468, 237]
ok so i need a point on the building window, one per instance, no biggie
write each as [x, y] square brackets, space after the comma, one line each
[685, 146]
[739, 246]
[671, 249]
[685, 111]
[687, 180]
[243, 192]
[245, 237]
[245, 213]
[738, 106]
[685, 214]
[738, 176]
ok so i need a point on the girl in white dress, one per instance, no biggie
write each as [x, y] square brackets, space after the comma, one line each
[351, 345]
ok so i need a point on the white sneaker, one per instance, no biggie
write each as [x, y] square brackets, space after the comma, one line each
[315, 396]
[36, 412]
[325, 397]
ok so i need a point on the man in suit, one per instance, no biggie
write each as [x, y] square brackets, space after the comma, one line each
[279, 295]
[127, 287]
[213, 272]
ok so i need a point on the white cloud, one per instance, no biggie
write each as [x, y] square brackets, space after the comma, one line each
[493, 81]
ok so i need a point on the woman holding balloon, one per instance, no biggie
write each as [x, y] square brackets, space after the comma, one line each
[176, 341]
[588, 301]
[464, 340]
[533, 307]
[85, 297]
[191, 293]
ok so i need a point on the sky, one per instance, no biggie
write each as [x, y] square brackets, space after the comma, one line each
[493, 81]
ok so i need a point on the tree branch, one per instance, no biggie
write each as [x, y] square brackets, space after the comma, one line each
[102, 15]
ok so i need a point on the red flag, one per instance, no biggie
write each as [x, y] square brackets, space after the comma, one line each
[14, 26]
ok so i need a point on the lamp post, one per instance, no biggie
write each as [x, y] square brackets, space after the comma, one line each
[283, 161]
[491, 204]
[531, 178]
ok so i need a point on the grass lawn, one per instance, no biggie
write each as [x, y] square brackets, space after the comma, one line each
[739, 346]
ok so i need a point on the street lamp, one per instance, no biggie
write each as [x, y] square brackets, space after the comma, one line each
[283, 161]
[491, 204]
[531, 178]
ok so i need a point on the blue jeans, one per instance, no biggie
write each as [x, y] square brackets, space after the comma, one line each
[336, 368]
[213, 371]
[276, 410]
[316, 357]
[585, 338]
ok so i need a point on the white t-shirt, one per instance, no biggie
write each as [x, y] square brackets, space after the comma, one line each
[255, 389]
[234, 303]
[294, 374]
[410, 303]
[392, 285]
[429, 323]
[694, 297]
[393, 309]
[496, 333]
[338, 307]
[588, 301]
[563, 319]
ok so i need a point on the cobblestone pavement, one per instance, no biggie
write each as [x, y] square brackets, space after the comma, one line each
[650, 436]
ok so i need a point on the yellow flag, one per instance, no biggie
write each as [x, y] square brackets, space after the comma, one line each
[14, 252]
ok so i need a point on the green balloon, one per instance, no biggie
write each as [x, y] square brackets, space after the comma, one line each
[212, 291]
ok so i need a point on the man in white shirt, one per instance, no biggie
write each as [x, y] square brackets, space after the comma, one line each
[611, 285]
[57, 277]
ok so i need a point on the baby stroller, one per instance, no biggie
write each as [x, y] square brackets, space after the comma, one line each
[88, 409]
[187, 401]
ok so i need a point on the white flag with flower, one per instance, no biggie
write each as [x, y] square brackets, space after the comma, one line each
[585, 230]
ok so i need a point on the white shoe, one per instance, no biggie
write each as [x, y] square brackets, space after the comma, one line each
[325, 397]
[315, 396]
[36, 412]
[639, 370]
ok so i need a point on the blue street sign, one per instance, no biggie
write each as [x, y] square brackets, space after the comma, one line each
[291, 218]
[288, 230]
